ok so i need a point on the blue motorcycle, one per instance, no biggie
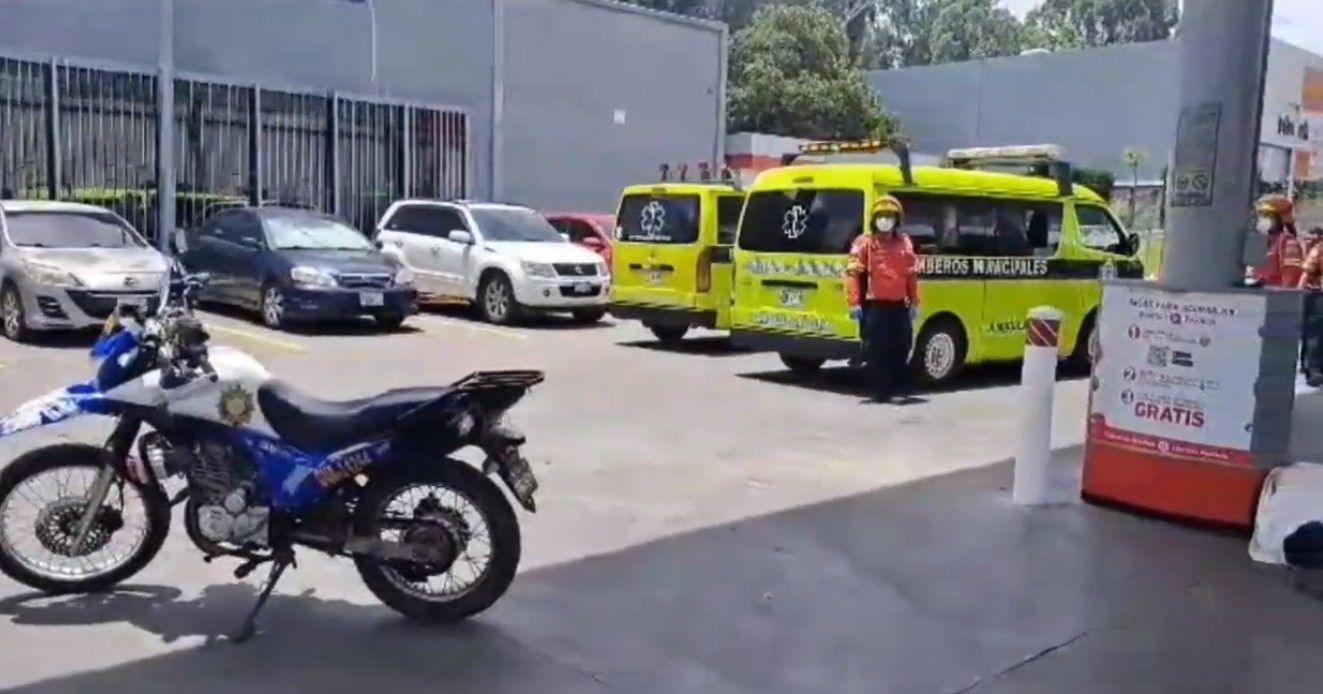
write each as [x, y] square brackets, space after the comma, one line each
[265, 468]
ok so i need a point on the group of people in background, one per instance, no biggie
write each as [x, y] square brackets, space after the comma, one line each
[1294, 261]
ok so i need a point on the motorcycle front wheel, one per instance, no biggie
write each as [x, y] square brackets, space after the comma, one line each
[42, 497]
[458, 512]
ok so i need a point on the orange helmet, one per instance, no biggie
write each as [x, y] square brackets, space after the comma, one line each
[888, 204]
[1278, 206]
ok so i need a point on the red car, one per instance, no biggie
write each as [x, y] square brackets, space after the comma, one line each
[592, 231]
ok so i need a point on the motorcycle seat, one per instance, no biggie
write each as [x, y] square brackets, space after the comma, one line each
[324, 426]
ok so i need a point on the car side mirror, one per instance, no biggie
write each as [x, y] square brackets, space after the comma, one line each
[460, 236]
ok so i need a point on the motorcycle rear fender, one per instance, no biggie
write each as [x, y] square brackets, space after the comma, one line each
[59, 405]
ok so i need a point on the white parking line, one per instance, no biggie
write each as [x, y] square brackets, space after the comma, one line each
[471, 327]
[257, 337]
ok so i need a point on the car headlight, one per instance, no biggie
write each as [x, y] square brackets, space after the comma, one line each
[403, 277]
[41, 273]
[603, 269]
[311, 277]
[538, 269]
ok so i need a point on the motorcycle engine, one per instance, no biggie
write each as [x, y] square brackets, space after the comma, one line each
[225, 497]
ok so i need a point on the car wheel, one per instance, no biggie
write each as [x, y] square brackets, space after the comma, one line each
[939, 353]
[273, 307]
[669, 334]
[803, 366]
[13, 321]
[389, 323]
[588, 315]
[496, 300]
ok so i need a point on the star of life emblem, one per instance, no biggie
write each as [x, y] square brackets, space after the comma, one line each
[795, 222]
[653, 218]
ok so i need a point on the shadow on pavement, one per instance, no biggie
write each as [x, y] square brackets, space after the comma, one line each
[844, 380]
[535, 321]
[705, 346]
[937, 586]
[350, 327]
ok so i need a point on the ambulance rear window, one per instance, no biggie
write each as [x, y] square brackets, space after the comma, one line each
[658, 219]
[822, 221]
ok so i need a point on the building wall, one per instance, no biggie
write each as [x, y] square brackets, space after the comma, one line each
[597, 95]
[569, 68]
[1094, 103]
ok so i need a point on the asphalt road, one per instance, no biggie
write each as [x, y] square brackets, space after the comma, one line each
[635, 445]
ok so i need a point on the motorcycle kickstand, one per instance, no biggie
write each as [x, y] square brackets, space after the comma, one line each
[283, 560]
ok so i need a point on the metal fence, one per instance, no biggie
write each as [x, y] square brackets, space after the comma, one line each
[89, 134]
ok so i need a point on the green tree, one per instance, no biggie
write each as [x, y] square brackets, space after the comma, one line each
[972, 29]
[791, 74]
[1068, 24]
[922, 32]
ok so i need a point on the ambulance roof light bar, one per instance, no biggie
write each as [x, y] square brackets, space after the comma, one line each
[898, 147]
[704, 174]
[1054, 156]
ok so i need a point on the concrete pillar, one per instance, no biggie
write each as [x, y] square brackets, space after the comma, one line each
[165, 126]
[1223, 57]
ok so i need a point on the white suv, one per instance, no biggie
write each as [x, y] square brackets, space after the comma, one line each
[506, 259]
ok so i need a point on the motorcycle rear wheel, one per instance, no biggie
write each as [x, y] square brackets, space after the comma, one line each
[88, 459]
[395, 585]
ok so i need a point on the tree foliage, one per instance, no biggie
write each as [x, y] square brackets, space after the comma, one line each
[924, 32]
[791, 73]
[1068, 24]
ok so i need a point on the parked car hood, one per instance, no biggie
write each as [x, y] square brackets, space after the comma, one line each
[544, 252]
[341, 262]
[116, 269]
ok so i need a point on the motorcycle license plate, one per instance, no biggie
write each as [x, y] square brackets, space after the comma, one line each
[372, 299]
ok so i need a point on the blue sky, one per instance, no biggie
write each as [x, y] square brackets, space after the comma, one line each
[1296, 21]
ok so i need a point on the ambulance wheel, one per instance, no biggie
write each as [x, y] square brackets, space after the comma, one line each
[803, 366]
[1086, 346]
[669, 334]
[939, 353]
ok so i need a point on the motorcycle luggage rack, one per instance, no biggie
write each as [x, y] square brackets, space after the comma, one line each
[492, 380]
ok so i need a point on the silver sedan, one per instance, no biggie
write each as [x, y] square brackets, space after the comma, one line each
[64, 266]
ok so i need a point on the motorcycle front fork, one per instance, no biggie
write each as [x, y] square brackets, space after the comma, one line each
[117, 448]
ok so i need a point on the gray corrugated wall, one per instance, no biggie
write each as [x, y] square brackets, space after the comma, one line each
[569, 66]
[1094, 103]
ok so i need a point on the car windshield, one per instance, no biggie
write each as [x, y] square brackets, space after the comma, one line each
[314, 233]
[514, 224]
[70, 230]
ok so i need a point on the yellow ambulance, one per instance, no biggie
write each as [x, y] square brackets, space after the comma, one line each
[672, 254]
[991, 246]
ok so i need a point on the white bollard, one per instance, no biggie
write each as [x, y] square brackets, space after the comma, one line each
[1038, 380]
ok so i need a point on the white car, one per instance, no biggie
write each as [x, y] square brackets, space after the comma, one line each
[506, 259]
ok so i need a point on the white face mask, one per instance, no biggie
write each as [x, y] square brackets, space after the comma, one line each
[884, 224]
[1264, 225]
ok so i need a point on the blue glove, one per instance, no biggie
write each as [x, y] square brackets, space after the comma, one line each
[914, 313]
[856, 313]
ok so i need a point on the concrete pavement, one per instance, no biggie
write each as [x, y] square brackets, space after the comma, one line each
[709, 525]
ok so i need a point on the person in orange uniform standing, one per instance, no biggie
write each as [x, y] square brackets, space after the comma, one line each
[882, 287]
[1285, 259]
[1311, 282]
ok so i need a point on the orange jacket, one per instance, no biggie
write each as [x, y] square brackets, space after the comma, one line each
[1282, 266]
[883, 265]
[1311, 274]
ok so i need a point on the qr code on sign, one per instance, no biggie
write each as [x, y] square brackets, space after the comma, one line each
[1158, 356]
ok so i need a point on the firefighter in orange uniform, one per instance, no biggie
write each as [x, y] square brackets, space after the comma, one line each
[1311, 282]
[1284, 261]
[882, 287]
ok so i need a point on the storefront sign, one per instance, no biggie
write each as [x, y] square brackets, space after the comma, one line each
[1176, 373]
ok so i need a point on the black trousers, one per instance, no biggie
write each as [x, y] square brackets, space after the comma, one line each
[887, 336]
[1311, 338]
